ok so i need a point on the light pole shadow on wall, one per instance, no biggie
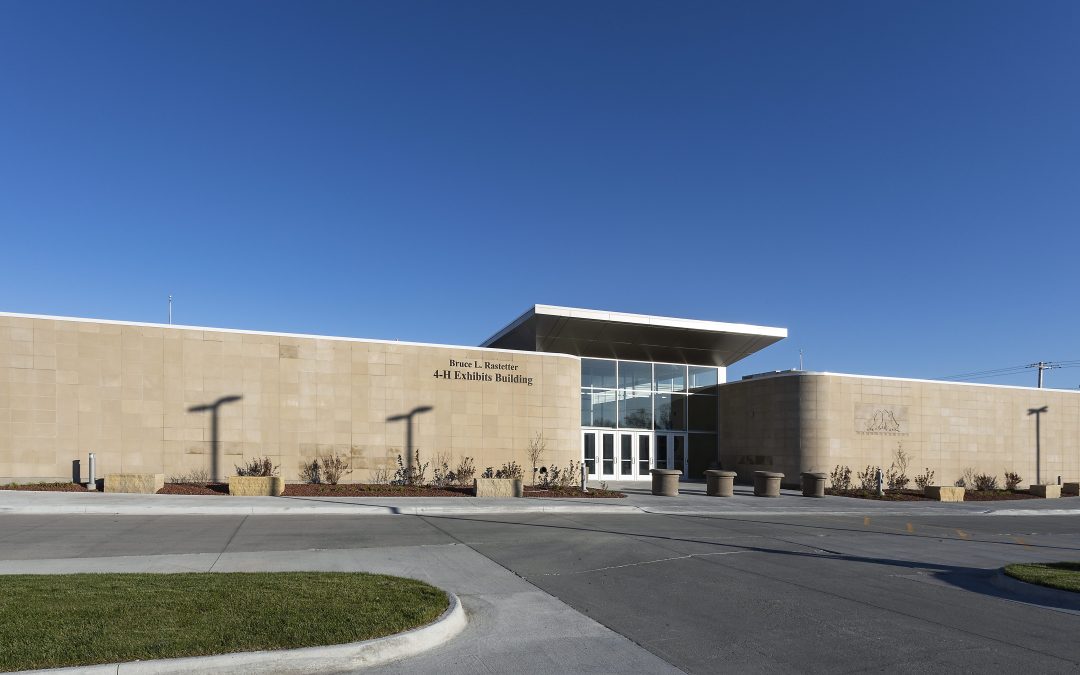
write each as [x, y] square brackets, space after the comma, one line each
[213, 408]
[408, 419]
[1038, 413]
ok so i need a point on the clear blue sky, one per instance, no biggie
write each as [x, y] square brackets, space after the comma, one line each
[897, 183]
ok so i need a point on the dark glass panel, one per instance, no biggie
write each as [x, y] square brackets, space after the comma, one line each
[626, 459]
[702, 413]
[643, 455]
[597, 373]
[635, 410]
[590, 453]
[634, 375]
[671, 411]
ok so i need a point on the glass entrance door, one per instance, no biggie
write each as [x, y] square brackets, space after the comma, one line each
[624, 455]
[671, 451]
[598, 454]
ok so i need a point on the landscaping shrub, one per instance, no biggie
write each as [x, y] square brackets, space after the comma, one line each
[260, 466]
[310, 473]
[537, 446]
[840, 478]
[193, 477]
[868, 479]
[983, 481]
[463, 474]
[488, 473]
[414, 475]
[924, 479]
[967, 479]
[334, 467]
[381, 476]
[1012, 480]
[896, 474]
[441, 470]
[510, 470]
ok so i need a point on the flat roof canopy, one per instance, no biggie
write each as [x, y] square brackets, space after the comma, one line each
[633, 337]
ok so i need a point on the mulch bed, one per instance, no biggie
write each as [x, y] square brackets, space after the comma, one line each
[47, 487]
[889, 496]
[593, 493]
[373, 490]
[996, 495]
[916, 496]
[194, 489]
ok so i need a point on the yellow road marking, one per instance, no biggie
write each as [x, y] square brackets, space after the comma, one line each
[910, 528]
[866, 520]
[962, 534]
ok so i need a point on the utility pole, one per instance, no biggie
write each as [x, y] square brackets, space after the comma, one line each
[1042, 365]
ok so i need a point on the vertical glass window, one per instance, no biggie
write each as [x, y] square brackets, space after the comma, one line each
[669, 377]
[590, 454]
[703, 379]
[635, 409]
[598, 408]
[670, 411]
[661, 452]
[680, 452]
[643, 455]
[634, 375]
[626, 459]
[608, 458]
[597, 373]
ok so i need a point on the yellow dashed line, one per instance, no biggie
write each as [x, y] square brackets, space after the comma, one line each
[962, 534]
[910, 528]
[866, 520]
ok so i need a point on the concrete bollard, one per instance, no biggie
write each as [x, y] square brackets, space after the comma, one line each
[813, 484]
[767, 484]
[719, 483]
[665, 482]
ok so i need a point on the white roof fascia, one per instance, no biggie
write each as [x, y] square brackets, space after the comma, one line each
[661, 321]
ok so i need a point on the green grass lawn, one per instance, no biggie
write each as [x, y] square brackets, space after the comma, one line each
[80, 619]
[1061, 575]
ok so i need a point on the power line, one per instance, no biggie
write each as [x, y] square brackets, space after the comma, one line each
[1016, 370]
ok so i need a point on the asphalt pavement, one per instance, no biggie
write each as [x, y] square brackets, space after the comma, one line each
[838, 589]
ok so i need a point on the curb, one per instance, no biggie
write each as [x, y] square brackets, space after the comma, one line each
[1036, 594]
[323, 659]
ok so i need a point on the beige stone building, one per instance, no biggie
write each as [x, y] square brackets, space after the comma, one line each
[799, 421]
[144, 398]
[622, 393]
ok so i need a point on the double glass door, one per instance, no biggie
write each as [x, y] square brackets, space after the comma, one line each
[628, 455]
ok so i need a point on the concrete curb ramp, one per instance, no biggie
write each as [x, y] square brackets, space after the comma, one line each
[324, 659]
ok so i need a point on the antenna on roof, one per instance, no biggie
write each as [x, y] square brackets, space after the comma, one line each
[800, 360]
[170, 309]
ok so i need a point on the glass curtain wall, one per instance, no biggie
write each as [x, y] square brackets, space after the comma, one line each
[648, 396]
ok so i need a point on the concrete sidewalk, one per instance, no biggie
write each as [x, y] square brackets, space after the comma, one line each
[639, 500]
[513, 625]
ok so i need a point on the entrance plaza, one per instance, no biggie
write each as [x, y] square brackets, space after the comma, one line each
[621, 393]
